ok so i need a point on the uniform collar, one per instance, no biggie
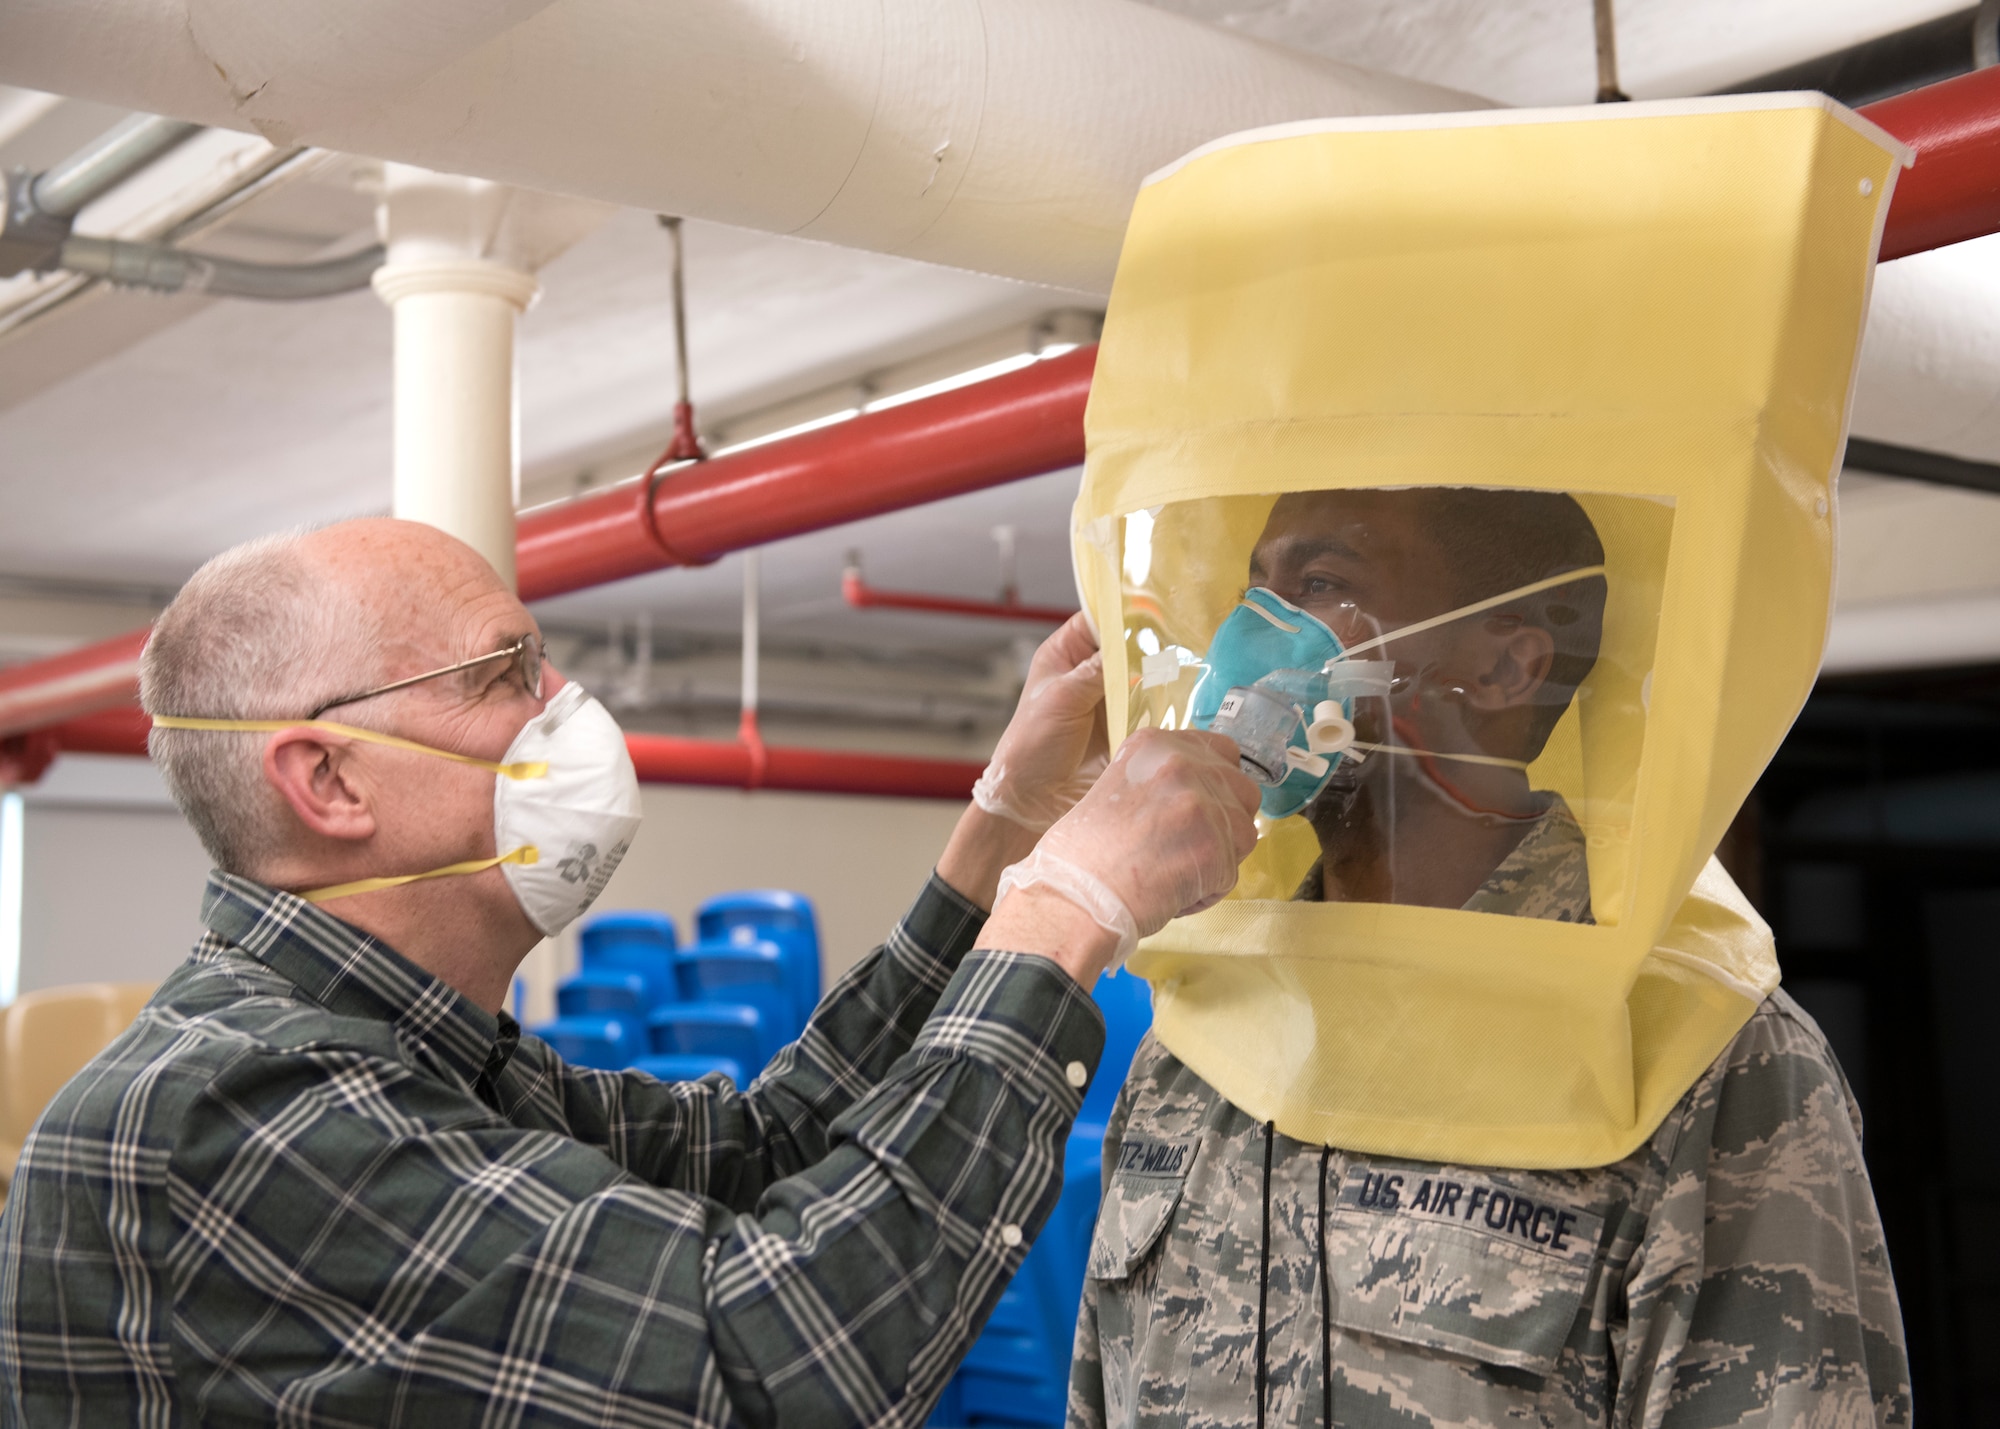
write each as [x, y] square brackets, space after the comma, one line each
[1546, 876]
[355, 975]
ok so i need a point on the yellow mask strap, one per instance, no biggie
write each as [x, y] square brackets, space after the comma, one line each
[527, 769]
[526, 853]
[1464, 610]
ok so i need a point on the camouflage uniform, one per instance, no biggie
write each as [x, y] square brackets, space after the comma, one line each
[1546, 876]
[1730, 1271]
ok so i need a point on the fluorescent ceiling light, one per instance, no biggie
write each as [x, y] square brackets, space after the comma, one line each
[830, 419]
[956, 380]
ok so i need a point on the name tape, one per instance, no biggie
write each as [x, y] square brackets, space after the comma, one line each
[1149, 1157]
[1478, 1203]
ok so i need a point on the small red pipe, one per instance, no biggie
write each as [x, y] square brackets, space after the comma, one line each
[119, 731]
[660, 759]
[1952, 192]
[665, 759]
[863, 596]
[78, 682]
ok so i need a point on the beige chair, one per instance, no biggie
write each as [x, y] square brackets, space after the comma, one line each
[46, 1038]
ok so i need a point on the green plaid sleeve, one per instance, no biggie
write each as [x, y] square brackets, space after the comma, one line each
[354, 1243]
[708, 1138]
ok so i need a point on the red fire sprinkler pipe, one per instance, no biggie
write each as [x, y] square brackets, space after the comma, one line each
[1952, 192]
[659, 758]
[664, 759]
[1010, 427]
[1015, 426]
[863, 596]
[78, 682]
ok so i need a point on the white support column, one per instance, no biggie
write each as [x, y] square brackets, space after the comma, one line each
[455, 297]
[457, 452]
[462, 255]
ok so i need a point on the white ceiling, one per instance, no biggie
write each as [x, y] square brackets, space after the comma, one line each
[1526, 52]
[140, 435]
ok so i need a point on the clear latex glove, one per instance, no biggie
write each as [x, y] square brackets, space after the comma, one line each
[1159, 834]
[1054, 747]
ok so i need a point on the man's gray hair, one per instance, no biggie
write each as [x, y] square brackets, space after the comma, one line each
[260, 632]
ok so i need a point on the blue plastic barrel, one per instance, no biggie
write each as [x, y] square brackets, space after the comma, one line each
[776, 915]
[710, 1029]
[602, 1042]
[607, 992]
[633, 941]
[751, 974]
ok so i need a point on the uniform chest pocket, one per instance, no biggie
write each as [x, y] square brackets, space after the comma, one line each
[1146, 1186]
[1471, 1265]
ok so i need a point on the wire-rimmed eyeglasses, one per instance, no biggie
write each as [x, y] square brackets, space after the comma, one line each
[526, 653]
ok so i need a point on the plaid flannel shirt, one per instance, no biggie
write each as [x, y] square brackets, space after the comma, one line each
[313, 1185]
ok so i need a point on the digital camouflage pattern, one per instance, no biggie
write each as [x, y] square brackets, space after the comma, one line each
[1546, 876]
[1732, 1271]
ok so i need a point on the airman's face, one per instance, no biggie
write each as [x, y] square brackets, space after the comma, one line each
[1366, 564]
[1359, 560]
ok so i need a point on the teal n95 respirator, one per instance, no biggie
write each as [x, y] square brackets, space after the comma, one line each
[1276, 681]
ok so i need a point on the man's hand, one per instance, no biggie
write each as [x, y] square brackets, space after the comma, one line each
[1051, 750]
[1159, 835]
[1055, 746]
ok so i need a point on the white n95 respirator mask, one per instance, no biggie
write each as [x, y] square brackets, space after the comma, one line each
[565, 805]
[579, 816]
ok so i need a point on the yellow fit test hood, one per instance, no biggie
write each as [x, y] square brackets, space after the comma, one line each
[1337, 357]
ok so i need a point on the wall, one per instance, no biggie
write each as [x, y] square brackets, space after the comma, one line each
[111, 876]
[861, 861]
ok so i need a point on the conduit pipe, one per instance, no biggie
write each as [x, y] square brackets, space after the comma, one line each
[161, 269]
[39, 208]
[91, 173]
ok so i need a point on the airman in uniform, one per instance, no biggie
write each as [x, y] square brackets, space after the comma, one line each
[1730, 1271]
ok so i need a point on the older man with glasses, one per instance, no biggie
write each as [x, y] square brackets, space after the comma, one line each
[325, 1180]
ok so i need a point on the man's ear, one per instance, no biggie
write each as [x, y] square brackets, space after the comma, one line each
[1515, 662]
[318, 778]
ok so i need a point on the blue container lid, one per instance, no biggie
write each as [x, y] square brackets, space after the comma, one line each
[772, 906]
[706, 1014]
[631, 923]
[601, 1042]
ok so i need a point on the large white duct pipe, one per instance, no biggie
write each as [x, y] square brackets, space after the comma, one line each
[1930, 362]
[1003, 135]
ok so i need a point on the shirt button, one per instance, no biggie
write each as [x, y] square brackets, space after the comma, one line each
[1010, 1235]
[1076, 1074]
